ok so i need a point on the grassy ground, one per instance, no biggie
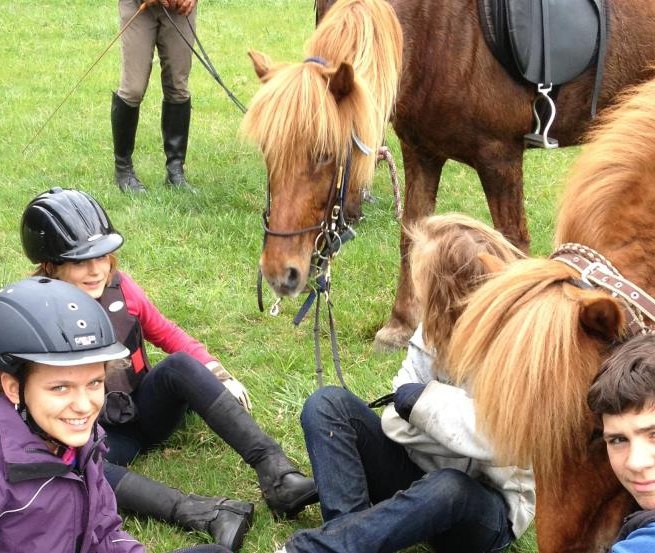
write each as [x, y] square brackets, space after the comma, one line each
[197, 255]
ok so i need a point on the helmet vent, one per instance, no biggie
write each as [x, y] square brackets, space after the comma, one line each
[44, 280]
[81, 323]
[73, 306]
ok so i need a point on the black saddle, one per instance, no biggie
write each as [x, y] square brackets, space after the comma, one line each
[547, 43]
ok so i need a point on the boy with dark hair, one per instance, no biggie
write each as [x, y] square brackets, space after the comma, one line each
[623, 395]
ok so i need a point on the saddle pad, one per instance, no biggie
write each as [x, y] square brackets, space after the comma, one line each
[569, 38]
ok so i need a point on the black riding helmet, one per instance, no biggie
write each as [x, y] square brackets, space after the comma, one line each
[52, 322]
[66, 225]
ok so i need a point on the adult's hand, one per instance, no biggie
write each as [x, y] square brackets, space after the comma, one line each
[184, 7]
[405, 397]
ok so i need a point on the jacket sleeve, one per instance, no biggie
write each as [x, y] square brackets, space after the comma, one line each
[442, 421]
[641, 540]
[157, 329]
[120, 541]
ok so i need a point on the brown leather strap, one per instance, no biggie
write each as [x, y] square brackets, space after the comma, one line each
[596, 270]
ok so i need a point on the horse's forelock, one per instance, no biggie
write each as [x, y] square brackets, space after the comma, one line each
[521, 351]
[294, 116]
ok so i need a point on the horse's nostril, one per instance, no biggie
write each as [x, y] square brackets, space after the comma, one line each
[293, 277]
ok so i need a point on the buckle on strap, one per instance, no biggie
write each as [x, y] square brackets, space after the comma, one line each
[591, 268]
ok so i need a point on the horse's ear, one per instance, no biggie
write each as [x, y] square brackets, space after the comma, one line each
[602, 317]
[342, 81]
[261, 62]
[491, 263]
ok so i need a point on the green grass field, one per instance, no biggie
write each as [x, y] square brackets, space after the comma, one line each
[196, 255]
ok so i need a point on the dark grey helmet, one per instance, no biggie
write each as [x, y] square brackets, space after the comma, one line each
[53, 322]
[66, 225]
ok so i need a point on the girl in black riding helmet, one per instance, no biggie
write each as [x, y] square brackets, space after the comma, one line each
[69, 234]
[54, 344]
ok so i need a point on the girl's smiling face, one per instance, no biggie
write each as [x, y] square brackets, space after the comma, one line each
[90, 275]
[63, 401]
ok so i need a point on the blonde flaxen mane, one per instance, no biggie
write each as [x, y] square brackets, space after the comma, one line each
[522, 345]
[294, 115]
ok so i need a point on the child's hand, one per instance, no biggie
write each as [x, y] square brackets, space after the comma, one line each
[239, 391]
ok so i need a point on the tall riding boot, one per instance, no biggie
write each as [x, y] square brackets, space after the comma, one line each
[124, 121]
[175, 120]
[285, 490]
[226, 520]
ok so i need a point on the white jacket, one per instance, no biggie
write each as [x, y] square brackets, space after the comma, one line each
[441, 433]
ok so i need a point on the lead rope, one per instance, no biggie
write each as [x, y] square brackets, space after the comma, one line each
[205, 61]
[384, 153]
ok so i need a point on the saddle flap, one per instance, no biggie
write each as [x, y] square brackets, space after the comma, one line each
[564, 46]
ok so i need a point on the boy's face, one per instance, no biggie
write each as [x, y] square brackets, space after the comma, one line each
[90, 275]
[630, 439]
[63, 401]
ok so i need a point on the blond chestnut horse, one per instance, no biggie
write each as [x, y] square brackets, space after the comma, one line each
[531, 340]
[454, 101]
[305, 118]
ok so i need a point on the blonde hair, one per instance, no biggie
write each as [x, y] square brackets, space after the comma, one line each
[446, 267]
[51, 270]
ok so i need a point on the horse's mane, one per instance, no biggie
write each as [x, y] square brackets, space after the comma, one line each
[446, 265]
[615, 167]
[367, 35]
[520, 348]
[520, 345]
[294, 115]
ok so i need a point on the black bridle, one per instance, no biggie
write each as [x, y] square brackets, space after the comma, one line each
[333, 231]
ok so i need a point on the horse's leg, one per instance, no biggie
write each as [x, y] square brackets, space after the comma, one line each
[501, 175]
[421, 184]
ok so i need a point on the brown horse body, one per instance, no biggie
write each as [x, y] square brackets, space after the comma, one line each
[456, 102]
[534, 338]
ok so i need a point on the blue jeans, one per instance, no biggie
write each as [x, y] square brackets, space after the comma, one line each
[173, 386]
[375, 499]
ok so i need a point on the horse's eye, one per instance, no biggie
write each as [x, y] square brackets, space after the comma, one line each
[323, 158]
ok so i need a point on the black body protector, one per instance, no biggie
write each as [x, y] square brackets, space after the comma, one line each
[125, 376]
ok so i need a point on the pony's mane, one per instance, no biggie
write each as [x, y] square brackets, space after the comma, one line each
[521, 351]
[616, 165]
[367, 35]
[294, 117]
[446, 267]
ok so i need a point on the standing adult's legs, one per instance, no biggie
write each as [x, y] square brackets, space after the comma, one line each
[353, 462]
[137, 48]
[175, 58]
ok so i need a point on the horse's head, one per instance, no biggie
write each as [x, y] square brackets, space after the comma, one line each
[312, 123]
[528, 346]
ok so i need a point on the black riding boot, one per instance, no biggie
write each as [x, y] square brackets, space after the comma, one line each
[226, 520]
[285, 490]
[175, 120]
[124, 121]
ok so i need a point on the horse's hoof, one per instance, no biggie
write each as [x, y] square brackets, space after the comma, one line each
[392, 336]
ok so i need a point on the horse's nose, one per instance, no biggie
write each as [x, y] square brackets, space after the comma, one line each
[291, 278]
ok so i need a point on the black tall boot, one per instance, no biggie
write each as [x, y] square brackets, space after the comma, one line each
[175, 121]
[285, 490]
[124, 121]
[225, 519]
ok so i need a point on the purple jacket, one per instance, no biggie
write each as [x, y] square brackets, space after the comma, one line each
[47, 508]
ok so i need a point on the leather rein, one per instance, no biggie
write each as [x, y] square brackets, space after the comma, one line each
[597, 271]
[333, 231]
